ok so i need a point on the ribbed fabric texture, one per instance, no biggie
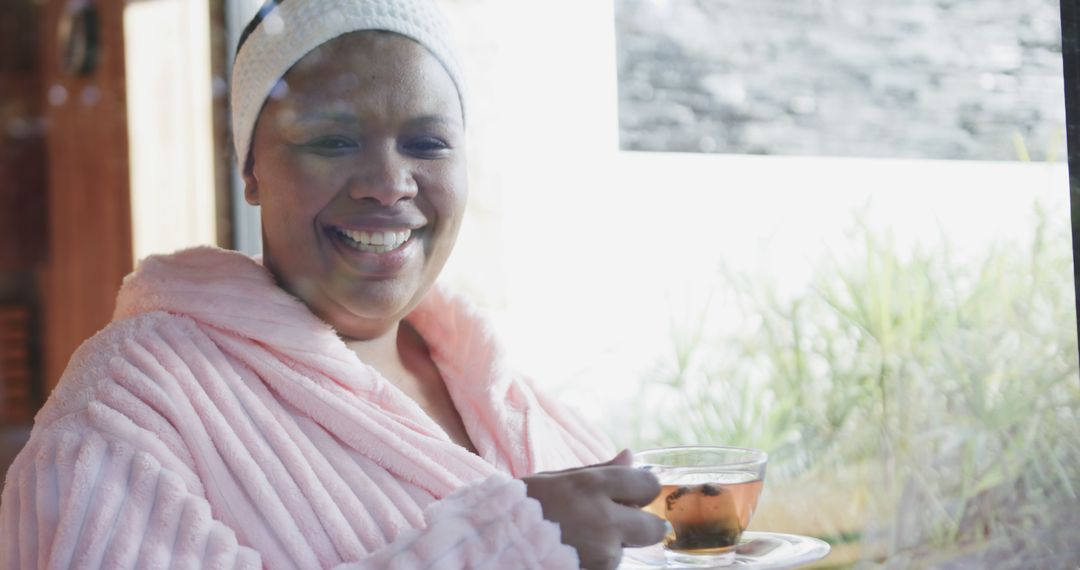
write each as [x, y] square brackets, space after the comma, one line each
[295, 27]
[219, 424]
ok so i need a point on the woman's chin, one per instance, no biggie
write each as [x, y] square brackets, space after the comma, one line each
[372, 317]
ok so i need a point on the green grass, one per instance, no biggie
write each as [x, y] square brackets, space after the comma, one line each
[956, 380]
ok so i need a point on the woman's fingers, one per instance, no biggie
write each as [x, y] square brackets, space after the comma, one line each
[595, 508]
[624, 458]
[629, 486]
[637, 527]
[601, 559]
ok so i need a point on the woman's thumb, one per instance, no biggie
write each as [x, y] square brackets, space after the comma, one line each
[624, 458]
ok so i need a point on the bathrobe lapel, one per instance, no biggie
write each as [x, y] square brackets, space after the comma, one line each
[303, 362]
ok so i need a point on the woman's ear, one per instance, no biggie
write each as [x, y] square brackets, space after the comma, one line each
[251, 185]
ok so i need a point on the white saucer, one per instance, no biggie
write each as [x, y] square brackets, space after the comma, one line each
[757, 551]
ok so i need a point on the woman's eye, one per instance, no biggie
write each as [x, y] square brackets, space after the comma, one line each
[430, 146]
[331, 143]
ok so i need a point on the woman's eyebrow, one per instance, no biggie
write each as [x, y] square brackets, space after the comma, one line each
[349, 118]
[435, 119]
[329, 116]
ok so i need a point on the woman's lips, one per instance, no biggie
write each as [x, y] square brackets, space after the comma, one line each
[360, 250]
[374, 241]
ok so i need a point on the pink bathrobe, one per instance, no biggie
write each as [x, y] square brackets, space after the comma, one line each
[217, 423]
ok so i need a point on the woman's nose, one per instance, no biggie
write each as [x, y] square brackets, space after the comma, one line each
[386, 178]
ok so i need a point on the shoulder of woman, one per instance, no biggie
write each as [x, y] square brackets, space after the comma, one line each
[116, 388]
[108, 358]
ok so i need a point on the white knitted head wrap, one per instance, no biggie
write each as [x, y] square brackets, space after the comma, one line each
[293, 28]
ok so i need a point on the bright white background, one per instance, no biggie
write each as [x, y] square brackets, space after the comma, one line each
[584, 254]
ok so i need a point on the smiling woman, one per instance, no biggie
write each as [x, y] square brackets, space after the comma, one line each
[361, 181]
[327, 405]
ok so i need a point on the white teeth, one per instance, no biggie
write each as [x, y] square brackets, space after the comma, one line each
[376, 242]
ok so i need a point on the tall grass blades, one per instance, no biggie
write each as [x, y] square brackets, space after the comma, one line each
[930, 403]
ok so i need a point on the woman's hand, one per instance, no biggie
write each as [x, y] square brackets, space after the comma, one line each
[598, 508]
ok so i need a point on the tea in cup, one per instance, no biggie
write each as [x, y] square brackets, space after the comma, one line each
[708, 496]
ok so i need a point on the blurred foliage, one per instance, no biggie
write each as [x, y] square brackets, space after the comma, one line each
[956, 381]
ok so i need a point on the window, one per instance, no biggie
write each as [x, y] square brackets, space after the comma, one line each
[944, 79]
[870, 300]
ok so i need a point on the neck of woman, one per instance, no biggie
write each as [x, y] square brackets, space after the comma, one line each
[382, 352]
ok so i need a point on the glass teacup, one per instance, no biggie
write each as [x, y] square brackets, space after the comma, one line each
[708, 497]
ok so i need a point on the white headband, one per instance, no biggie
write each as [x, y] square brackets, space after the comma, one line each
[293, 28]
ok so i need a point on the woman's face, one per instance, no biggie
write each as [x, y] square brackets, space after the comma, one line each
[359, 167]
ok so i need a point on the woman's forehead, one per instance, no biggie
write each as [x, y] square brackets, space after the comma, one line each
[367, 50]
[368, 67]
[363, 60]
[315, 28]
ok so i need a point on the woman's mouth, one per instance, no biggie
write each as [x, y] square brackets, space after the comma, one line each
[373, 241]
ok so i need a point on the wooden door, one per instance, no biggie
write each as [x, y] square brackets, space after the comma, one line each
[89, 220]
[22, 210]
